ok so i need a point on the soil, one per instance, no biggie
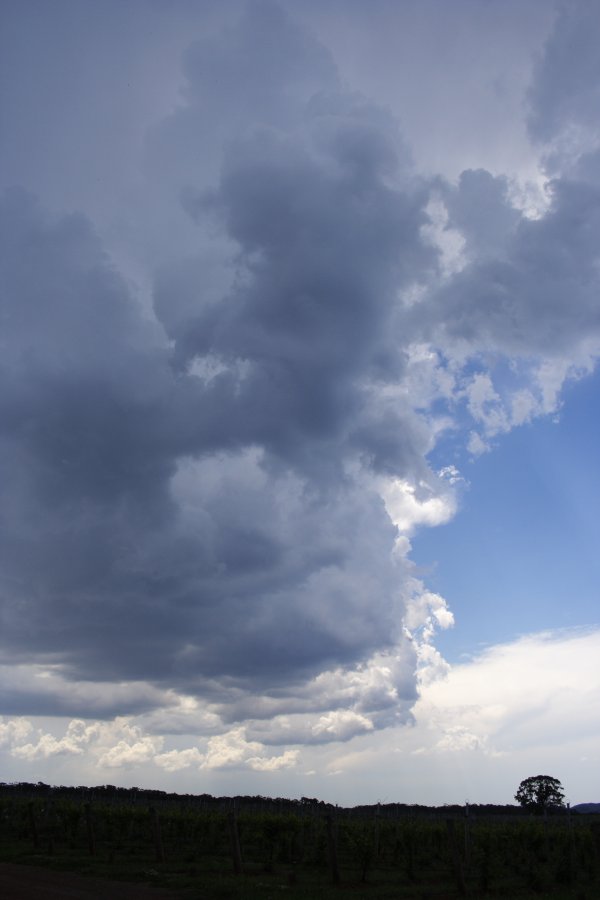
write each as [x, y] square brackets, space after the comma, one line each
[33, 883]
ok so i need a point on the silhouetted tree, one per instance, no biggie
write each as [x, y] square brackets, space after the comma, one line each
[540, 792]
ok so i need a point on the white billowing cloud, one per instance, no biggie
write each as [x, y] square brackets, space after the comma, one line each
[342, 723]
[337, 704]
[286, 760]
[457, 738]
[109, 744]
[126, 754]
[124, 744]
[174, 760]
[77, 737]
[229, 749]
[539, 691]
[14, 731]
[410, 506]
[431, 665]
[233, 750]
[485, 405]
[476, 445]
[537, 391]
[426, 613]
[482, 726]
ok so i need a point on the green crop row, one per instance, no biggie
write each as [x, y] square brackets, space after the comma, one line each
[404, 857]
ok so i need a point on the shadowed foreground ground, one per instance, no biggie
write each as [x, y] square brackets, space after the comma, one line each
[32, 883]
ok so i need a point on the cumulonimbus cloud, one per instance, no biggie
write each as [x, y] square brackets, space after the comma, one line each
[195, 493]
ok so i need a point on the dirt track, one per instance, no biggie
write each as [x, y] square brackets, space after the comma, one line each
[33, 883]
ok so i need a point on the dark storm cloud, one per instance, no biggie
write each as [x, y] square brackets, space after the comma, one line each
[87, 437]
[262, 64]
[480, 208]
[324, 246]
[325, 233]
[537, 295]
[262, 69]
[37, 693]
[565, 90]
[523, 287]
[182, 506]
[530, 285]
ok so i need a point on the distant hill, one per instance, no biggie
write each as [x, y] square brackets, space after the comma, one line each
[587, 808]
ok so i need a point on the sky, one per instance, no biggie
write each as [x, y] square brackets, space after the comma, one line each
[299, 399]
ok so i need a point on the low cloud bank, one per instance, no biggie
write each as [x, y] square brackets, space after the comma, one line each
[475, 734]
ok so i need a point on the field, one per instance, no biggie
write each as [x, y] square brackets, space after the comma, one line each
[204, 847]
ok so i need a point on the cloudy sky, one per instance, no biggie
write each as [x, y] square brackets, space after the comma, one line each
[299, 411]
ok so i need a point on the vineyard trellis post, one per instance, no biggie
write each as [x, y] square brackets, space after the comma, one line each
[89, 824]
[158, 844]
[236, 851]
[332, 848]
[33, 824]
[467, 838]
[456, 858]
